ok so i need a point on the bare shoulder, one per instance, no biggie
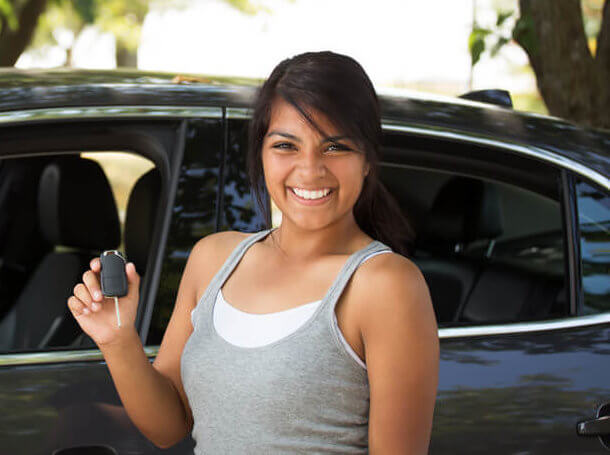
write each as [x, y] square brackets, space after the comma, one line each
[389, 286]
[392, 271]
[216, 247]
[210, 253]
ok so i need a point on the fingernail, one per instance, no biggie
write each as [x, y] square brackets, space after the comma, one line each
[95, 306]
[97, 295]
[86, 311]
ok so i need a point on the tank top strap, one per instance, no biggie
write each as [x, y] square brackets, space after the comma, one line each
[350, 266]
[228, 266]
[234, 258]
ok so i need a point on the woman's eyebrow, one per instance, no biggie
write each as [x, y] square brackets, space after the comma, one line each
[282, 133]
[334, 138]
[296, 139]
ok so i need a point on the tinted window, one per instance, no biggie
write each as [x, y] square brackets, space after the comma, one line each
[193, 215]
[593, 205]
[239, 209]
[491, 252]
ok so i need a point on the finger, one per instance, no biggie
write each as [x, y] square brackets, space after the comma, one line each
[77, 307]
[82, 293]
[93, 285]
[133, 279]
[95, 264]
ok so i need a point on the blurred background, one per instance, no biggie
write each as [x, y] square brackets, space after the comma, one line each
[544, 52]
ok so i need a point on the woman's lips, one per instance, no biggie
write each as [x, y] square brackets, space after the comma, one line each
[304, 201]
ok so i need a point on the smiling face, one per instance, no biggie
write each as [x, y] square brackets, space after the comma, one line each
[314, 180]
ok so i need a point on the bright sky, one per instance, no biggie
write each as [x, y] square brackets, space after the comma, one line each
[398, 42]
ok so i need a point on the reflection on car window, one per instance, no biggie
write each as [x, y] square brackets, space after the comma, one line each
[594, 225]
[490, 252]
[193, 214]
[240, 211]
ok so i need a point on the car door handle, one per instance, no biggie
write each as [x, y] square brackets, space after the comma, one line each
[599, 426]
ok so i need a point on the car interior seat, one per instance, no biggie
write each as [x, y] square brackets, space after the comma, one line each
[464, 210]
[139, 227]
[77, 214]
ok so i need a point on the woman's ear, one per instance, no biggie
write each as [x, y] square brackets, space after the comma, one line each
[367, 168]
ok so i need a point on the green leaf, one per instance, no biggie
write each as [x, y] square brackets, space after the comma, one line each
[524, 34]
[498, 45]
[483, 32]
[502, 16]
[476, 45]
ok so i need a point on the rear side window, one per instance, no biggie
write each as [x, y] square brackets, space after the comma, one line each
[593, 206]
[491, 252]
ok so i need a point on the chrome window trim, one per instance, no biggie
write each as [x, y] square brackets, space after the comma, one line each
[87, 355]
[528, 150]
[238, 112]
[70, 356]
[92, 112]
[244, 113]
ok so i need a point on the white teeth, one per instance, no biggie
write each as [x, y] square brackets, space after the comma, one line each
[306, 194]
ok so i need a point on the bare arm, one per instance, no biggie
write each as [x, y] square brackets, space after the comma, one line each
[152, 394]
[400, 335]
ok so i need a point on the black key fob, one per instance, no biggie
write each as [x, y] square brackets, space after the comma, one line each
[113, 277]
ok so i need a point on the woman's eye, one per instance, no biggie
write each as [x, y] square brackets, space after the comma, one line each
[283, 146]
[336, 147]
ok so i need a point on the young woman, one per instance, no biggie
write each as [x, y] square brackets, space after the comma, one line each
[317, 336]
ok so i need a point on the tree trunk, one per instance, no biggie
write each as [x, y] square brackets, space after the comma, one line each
[573, 84]
[125, 58]
[14, 42]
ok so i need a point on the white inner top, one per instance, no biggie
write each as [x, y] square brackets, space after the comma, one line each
[255, 330]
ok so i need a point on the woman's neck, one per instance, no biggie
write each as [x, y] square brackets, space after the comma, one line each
[296, 243]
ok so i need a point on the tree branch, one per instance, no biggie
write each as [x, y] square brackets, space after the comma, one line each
[14, 42]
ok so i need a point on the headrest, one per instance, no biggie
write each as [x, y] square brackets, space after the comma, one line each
[465, 209]
[76, 207]
[140, 218]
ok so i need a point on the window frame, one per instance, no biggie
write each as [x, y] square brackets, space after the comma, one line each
[571, 177]
[568, 219]
[128, 129]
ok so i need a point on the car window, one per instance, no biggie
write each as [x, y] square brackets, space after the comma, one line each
[59, 211]
[593, 206]
[239, 209]
[196, 213]
[491, 252]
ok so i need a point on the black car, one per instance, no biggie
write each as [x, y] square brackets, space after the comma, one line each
[511, 213]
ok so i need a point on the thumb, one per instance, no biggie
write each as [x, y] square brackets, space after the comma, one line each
[133, 279]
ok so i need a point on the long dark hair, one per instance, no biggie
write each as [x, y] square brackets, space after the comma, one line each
[337, 86]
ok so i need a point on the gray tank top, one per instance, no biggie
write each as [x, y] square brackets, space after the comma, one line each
[303, 393]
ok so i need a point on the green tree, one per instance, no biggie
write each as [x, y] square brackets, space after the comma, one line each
[568, 46]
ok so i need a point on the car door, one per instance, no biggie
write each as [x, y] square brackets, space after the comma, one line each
[514, 248]
[69, 189]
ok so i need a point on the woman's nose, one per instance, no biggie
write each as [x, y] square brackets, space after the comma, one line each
[312, 163]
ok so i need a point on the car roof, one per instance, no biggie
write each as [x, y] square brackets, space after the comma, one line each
[44, 89]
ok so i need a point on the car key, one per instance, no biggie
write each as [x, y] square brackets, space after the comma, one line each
[113, 278]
